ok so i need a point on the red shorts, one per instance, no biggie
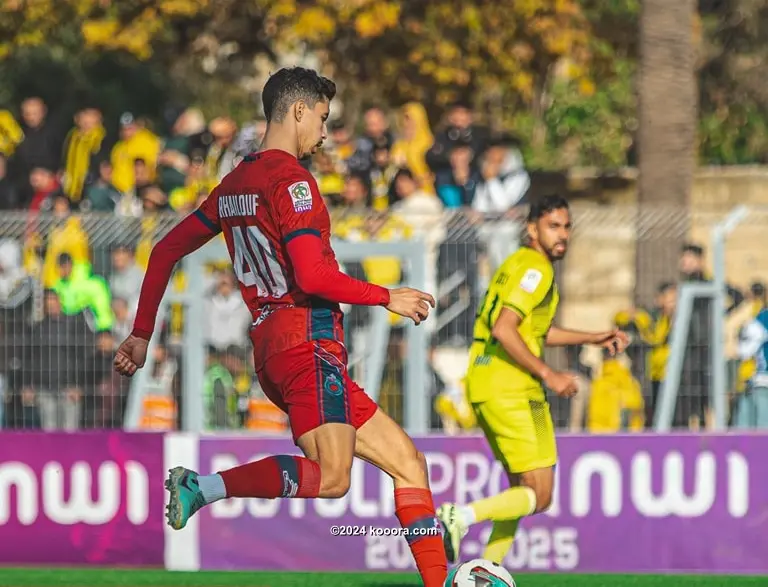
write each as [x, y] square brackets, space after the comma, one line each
[310, 383]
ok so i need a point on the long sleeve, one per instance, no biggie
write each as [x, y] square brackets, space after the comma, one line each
[186, 237]
[318, 278]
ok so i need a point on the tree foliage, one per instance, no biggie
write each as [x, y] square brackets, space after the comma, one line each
[559, 73]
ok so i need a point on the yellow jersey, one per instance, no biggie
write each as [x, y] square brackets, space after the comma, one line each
[525, 284]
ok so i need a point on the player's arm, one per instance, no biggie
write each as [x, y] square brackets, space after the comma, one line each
[186, 237]
[526, 290]
[301, 224]
[614, 340]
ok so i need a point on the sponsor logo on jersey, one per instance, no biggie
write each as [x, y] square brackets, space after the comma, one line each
[238, 205]
[531, 280]
[301, 196]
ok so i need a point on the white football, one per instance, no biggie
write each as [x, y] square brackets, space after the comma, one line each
[479, 573]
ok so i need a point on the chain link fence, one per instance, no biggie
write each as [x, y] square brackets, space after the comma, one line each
[69, 287]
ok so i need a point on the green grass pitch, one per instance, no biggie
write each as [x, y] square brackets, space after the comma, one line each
[160, 578]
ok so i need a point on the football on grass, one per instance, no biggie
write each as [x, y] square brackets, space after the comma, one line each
[479, 573]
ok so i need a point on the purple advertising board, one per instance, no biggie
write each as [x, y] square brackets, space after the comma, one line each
[634, 503]
[86, 498]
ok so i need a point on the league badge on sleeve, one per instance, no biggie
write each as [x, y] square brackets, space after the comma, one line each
[301, 196]
[531, 280]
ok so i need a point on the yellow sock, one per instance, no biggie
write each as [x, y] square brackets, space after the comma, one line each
[511, 504]
[500, 541]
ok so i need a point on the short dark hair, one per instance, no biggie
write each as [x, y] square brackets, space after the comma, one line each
[665, 287]
[694, 249]
[545, 205]
[757, 289]
[291, 84]
[64, 259]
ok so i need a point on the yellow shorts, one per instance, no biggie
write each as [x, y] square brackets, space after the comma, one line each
[519, 430]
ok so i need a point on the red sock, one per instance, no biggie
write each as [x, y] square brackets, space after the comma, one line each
[278, 476]
[415, 510]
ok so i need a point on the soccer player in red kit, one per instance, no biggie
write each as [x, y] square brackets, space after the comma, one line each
[277, 230]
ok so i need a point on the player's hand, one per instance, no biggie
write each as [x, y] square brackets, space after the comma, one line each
[614, 341]
[563, 384]
[410, 303]
[131, 356]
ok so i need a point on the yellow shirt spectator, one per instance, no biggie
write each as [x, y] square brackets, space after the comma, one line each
[10, 133]
[616, 401]
[136, 143]
[417, 138]
[69, 238]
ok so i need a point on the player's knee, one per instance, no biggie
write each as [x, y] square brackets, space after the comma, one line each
[334, 482]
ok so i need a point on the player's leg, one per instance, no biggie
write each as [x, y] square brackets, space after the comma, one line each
[383, 443]
[521, 436]
[317, 406]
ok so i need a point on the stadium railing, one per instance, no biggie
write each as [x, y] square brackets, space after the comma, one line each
[58, 378]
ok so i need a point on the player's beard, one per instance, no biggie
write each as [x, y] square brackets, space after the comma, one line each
[556, 254]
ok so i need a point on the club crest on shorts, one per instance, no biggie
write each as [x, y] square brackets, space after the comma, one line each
[301, 196]
[333, 384]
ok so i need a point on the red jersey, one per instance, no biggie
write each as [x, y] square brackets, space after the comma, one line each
[278, 233]
[266, 202]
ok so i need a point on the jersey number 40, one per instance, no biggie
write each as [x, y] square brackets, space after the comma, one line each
[255, 263]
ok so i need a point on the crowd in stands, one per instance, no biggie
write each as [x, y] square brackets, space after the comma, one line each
[66, 303]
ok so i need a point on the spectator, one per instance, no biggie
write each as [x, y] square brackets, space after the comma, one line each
[375, 133]
[9, 198]
[460, 129]
[126, 277]
[136, 142]
[174, 160]
[68, 236]
[41, 147]
[159, 409]
[23, 411]
[752, 408]
[457, 183]
[228, 318]
[341, 146]
[424, 212]
[410, 151]
[123, 318]
[184, 199]
[357, 194]
[223, 129]
[247, 141]
[102, 195]
[56, 346]
[95, 370]
[694, 408]
[330, 181]
[44, 185]
[84, 149]
[80, 290]
[11, 134]
[218, 392]
[616, 401]
[154, 201]
[504, 180]
[15, 286]
[382, 174]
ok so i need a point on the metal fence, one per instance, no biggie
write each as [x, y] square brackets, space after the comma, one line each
[58, 338]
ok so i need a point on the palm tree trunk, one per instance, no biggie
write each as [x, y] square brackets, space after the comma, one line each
[667, 139]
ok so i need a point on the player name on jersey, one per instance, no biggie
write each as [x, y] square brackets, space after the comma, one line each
[238, 205]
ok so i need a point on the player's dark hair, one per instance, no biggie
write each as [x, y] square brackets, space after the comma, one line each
[545, 205]
[291, 84]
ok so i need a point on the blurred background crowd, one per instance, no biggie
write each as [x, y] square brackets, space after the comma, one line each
[448, 122]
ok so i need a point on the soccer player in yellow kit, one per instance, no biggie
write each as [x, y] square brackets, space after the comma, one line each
[507, 377]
